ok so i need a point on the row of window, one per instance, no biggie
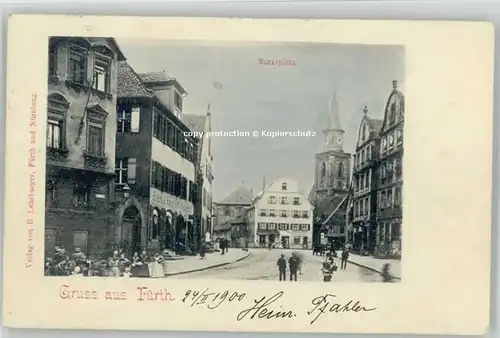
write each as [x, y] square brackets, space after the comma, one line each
[391, 170]
[171, 135]
[95, 126]
[362, 182]
[296, 240]
[283, 200]
[284, 213]
[388, 232]
[392, 139]
[82, 58]
[80, 199]
[167, 180]
[284, 226]
[362, 207]
[363, 155]
[390, 198]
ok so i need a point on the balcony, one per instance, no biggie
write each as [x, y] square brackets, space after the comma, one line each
[95, 161]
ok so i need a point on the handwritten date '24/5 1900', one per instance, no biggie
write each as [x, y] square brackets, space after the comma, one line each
[261, 307]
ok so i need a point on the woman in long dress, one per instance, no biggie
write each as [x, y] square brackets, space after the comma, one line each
[157, 266]
[135, 266]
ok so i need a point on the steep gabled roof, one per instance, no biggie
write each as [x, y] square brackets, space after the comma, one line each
[239, 196]
[129, 84]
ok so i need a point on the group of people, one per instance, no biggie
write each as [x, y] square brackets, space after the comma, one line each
[115, 265]
[294, 263]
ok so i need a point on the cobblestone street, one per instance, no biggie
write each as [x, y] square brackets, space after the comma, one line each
[261, 265]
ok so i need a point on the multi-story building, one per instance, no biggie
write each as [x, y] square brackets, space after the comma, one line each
[331, 182]
[155, 164]
[202, 125]
[228, 209]
[282, 216]
[390, 180]
[81, 133]
[363, 197]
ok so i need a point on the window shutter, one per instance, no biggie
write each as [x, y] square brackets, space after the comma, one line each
[131, 169]
[135, 120]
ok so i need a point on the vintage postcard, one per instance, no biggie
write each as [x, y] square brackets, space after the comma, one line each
[248, 173]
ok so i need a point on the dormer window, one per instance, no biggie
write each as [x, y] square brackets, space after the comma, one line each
[283, 186]
[178, 101]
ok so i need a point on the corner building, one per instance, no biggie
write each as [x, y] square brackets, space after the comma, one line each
[80, 142]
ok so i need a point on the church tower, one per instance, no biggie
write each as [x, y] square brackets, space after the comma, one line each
[333, 165]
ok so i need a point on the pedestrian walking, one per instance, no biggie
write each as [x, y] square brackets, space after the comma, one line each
[222, 246]
[344, 258]
[282, 267]
[270, 245]
[300, 261]
[293, 263]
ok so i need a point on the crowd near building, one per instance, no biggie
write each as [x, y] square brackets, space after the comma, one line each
[120, 171]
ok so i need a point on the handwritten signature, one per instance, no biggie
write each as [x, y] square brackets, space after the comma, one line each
[211, 299]
[322, 305]
[260, 309]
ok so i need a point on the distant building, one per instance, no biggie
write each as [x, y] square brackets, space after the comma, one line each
[331, 182]
[390, 184]
[80, 141]
[363, 198]
[202, 124]
[155, 164]
[229, 208]
[282, 216]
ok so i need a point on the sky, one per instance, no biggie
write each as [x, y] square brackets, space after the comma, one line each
[263, 97]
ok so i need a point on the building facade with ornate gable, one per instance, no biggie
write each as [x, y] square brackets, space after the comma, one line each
[155, 166]
[80, 142]
[363, 197]
[331, 181]
[390, 178]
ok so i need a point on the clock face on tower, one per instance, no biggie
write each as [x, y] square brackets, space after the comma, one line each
[339, 139]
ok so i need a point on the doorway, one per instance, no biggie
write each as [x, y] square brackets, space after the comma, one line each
[272, 238]
[285, 242]
[129, 232]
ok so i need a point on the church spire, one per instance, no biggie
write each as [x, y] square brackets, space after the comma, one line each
[333, 116]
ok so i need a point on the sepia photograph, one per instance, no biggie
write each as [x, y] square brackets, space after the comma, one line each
[224, 160]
